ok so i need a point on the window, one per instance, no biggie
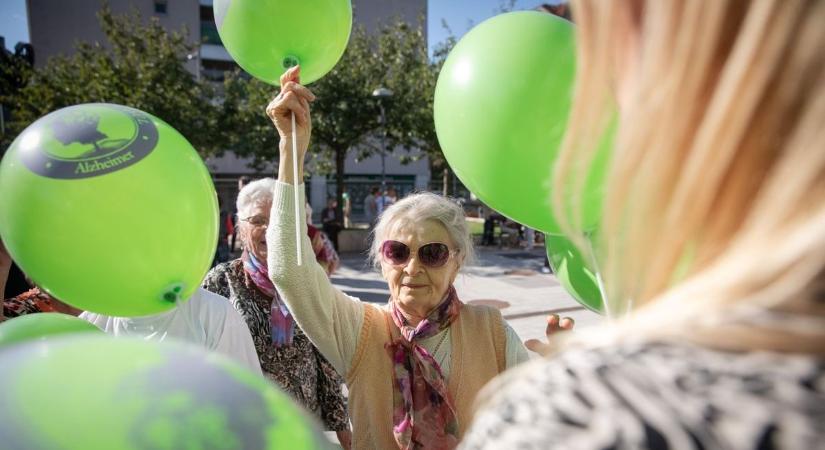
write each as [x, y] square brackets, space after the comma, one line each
[160, 6]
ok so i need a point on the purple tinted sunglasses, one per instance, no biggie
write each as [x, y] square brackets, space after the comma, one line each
[434, 254]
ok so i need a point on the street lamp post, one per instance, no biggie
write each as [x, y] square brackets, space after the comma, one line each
[381, 94]
[197, 58]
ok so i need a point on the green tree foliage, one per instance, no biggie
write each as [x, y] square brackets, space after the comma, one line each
[15, 72]
[141, 65]
[346, 117]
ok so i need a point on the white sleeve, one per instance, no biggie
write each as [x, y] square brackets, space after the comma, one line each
[235, 341]
[516, 353]
[331, 319]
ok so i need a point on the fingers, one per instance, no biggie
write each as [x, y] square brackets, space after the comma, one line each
[556, 324]
[536, 346]
[552, 325]
[299, 89]
[284, 105]
[292, 74]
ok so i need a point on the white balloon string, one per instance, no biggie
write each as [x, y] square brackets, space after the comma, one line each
[296, 183]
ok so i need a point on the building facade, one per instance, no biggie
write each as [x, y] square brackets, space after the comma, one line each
[55, 26]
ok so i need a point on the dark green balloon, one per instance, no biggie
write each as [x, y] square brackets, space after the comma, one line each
[265, 37]
[109, 209]
[99, 393]
[574, 272]
[42, 326]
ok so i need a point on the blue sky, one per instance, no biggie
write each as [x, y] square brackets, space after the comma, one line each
[460, 16]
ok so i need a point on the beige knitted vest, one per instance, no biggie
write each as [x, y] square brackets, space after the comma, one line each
[478, 354]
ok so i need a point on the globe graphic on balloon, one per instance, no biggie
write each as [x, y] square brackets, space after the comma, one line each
[109, 209]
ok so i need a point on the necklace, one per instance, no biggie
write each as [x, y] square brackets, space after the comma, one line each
[440, 341]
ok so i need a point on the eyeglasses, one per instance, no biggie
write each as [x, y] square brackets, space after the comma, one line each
[434, 254]
[257, 221]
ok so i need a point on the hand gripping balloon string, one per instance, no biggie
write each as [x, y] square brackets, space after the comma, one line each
[297, 197]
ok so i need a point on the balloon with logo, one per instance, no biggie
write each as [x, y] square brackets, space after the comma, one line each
[96, 393]
[501, 106]
[42, 326]
[109, 209]
[574, 272]
[266, 37]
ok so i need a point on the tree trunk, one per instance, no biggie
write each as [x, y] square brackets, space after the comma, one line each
[340, 159]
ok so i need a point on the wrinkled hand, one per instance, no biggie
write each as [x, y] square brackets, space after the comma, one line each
[293, 98]
[555, 325]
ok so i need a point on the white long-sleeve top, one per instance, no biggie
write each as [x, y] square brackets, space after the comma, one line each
[329, 317]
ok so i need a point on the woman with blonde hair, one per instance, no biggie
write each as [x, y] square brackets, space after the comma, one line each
[712, 244]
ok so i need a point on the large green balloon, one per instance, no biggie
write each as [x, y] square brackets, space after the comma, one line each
[501, 107]
[574, 272]
[42, 326]
[85, 393]
[265, 37]
[109, 209]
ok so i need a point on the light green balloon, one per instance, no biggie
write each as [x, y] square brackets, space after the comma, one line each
[42, 326]
[501, 106]
[574, 272]
[266, 37]
[109, 209]
[99, 393]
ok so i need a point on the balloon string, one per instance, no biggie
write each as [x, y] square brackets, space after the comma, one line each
[297, 197]
[599, 282]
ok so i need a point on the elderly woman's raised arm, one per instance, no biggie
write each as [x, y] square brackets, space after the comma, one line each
[331, 319]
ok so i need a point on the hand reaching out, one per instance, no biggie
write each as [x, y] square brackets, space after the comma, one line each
[555, 325]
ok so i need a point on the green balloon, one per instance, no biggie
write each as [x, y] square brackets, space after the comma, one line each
[501, 106]
[574, 272]
[109, 209]
[98, 393]
[42, 326]
[266, 37]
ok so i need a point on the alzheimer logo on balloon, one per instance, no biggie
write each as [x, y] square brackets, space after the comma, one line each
[89, 142]
[266, 37]
[501, 107]
[109, 209]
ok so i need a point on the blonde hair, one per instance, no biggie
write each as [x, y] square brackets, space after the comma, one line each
[713, 224]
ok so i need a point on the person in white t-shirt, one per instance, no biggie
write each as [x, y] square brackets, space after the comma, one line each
[206, 319]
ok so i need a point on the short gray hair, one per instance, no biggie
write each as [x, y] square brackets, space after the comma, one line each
[421, 207]
[253, 194]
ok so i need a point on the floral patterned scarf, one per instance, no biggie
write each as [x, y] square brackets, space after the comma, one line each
[280, 319]
[424, 415]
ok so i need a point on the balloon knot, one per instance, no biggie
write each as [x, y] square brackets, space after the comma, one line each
[289, 62]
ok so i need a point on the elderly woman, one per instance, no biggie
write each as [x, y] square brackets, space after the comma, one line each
[414, 365]
[286, 354]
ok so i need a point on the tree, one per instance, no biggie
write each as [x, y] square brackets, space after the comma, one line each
[15, 72]
[141, 65]
[345, 116]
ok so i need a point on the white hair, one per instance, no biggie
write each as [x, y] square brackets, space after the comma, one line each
[254, 194]
[421, 207]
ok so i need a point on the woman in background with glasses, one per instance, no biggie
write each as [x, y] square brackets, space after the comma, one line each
[286, 354]
[414, 365]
